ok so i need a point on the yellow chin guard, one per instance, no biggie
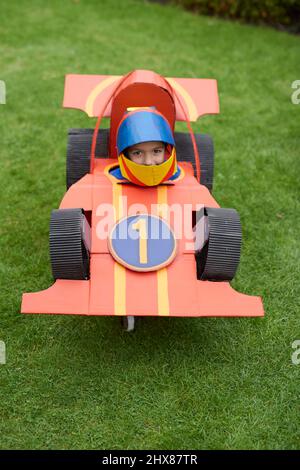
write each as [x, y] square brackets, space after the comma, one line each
[148, 175]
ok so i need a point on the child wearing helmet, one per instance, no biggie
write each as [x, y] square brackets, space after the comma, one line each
[146, 148]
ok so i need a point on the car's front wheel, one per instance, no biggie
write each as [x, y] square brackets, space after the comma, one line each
[219, 258]
[69, 243]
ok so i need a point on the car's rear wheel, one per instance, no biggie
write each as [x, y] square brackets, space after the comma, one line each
[68, 242]
[219, 258]
[205, 146]
[79, 152]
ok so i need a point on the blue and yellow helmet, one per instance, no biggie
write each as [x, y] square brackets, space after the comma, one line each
[145, 125]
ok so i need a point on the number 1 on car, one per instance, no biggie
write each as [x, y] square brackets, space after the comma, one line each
[141, 227]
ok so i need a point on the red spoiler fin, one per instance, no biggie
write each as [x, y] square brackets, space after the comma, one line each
[87, 92]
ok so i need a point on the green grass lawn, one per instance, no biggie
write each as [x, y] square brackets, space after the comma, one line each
[82, 383]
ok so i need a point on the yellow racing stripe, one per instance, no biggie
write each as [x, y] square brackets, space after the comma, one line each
[162, 274]
[89, 107]
[188, 100]
[119, 270]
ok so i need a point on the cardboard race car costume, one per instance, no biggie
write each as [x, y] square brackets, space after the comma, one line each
[142, 240]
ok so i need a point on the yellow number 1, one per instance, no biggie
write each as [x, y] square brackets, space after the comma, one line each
[141, 227]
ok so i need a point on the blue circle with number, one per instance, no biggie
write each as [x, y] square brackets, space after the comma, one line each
[142, 242]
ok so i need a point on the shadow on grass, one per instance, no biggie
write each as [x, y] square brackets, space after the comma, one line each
[155, 341]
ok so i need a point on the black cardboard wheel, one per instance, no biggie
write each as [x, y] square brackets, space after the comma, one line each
[79, 151]
[219, 258]
[68, 253]
[205, 146]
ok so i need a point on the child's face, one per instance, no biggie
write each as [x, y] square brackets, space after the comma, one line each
[147, 153]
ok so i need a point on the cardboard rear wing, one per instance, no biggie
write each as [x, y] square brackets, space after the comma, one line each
[89, 92]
